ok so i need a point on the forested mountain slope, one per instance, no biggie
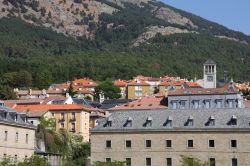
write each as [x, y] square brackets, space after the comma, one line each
[113, 39]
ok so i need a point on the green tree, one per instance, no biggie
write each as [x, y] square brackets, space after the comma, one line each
[108, 89]
[71, 90]
[6, 93]
[7, 161]
[191, 161]
[34, 161]
[43, 79]
[114, 163]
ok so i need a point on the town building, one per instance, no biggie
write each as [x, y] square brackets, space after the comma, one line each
[122, 84]
[209, 75]
[227, 96]
[137, 89]
[72, 117]
[220, 137]
[17, 138]
[84, 88]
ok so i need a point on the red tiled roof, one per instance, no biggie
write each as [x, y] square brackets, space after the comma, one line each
[145, 103]
[53, 107]
[193, 84]
[85, 82]
[136, 82]
[120, 83]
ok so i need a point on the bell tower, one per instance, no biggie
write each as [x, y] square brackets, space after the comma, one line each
[209, 74]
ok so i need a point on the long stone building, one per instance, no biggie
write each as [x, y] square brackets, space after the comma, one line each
[220, 137]
[17, 136]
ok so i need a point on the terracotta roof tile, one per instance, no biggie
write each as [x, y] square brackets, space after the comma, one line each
[137, 82]
[145, 103]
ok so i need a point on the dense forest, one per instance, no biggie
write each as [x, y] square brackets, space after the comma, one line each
[43, 56]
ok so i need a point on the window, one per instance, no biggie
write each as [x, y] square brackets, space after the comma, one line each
[234, 162]
[190, 121]
[138, 88]
[109, 122]
[148, 161]
[168, 143]
[128, 144]
[174, 104]
[62, 125]
[16, 136]
[190, 143]
[73, 116]
[138, 93]
[108, 144]
[148, 143]
[211, 161]
[128, 123]
[27, 138]
[32, 122]
[182, 104]
[230, 103]
[207, 104]
[233, 143]
[211, 144]
[108, 159]
[5, 135]
[62, 116]
[128, 161]
[196, 104]
[53, 114]
[169, 161]
[148, 122]
[73, 127]
[218, 103]
[233, 121]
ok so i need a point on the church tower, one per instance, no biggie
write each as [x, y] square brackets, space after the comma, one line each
[209, 74]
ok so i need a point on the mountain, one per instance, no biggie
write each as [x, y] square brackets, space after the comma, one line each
[58, 40]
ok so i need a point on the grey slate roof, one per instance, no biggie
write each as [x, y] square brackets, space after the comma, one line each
[179, 118]
[8, 116]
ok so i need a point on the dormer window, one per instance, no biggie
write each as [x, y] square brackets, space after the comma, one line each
[211, 121]
[15, 118]
[196, 104]
[169, 122]
[190, 121]
[148, 122]
[233, 121]
[109, 122]
[182, 104]
[207, 104]
[174, 104]
[219, 103]
[230, 103]
[128, 122]
[5, 115]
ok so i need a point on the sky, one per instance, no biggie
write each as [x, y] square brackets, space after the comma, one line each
[234, 14]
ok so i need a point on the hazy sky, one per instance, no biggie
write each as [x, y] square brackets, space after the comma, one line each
[234, 14]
